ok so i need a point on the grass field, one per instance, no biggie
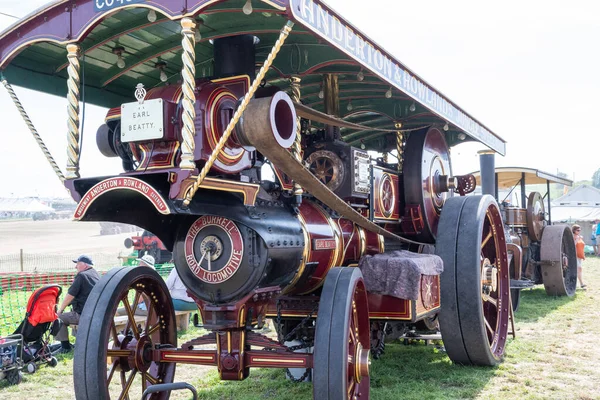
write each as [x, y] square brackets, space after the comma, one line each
[555, 356]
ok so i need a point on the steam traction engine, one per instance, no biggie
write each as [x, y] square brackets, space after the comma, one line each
[539, 252]
[147, 243]
[342, 246]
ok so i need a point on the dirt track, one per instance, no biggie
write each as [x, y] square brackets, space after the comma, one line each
[56, 237]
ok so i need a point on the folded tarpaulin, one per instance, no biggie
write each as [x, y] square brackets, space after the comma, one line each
[398, 273]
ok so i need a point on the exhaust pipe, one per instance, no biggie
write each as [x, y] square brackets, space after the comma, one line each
[487, 167]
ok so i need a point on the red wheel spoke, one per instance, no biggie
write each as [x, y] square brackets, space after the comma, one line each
[353, 338]
[492, 301]
[148, 377]
[125, 393]
[150, 308]
[118, 353]
[136, 300]
[350, 388]
[114, 333]
[153, 329]
[111, 372]
[131, 318]
[488, 326]
[487, 238]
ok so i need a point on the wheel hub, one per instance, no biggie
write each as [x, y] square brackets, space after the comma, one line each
[125, 362]
[489, 275]
[142, 363]
[362, 362]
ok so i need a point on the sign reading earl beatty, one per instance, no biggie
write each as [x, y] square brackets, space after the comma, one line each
[111, 184]
[316, 17]
[142, 120]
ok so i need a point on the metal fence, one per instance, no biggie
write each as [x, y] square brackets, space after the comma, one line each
[17, 287]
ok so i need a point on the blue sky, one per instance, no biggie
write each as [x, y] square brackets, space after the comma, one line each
[527, 70]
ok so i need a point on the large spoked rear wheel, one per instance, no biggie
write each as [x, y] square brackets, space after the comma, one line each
[341, 353]
[559, 261]
[475, 283]
[115, 363]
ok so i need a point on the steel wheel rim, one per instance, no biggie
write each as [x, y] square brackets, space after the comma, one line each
[358, 344]
[494, 304]
[473, 318]
[126, 353]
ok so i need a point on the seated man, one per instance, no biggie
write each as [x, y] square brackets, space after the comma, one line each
[181, 300]
[77, 295]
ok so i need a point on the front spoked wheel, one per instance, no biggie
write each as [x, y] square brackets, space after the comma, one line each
[475, 283]
[342, 338]
[113, 360]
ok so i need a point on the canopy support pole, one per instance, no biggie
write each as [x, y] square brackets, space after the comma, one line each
[297, 146]
[399, 146]
[285, 31]
[32, 129]
[73, 85]
[188, 72]
[549, 200]
[523, 194]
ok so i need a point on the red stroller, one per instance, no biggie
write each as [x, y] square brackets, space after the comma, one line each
[40, 322]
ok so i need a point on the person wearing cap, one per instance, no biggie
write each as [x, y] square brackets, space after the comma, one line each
[76, 296]
[146, 261]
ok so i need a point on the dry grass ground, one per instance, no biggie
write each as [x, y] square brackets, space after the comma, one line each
[555, 356]
[57, 236]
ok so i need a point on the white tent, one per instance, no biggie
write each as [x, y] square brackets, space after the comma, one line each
[575, 213]
[579, 206]
[36, 206]
[23, 205]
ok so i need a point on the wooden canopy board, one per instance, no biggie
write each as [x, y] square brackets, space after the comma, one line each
[509, 177]
[33, 55]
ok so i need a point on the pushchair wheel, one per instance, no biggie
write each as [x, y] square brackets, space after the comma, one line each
[53, 362]
[31, 367]
[14, 377]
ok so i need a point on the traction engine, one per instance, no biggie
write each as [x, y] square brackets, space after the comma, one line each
[248, 248]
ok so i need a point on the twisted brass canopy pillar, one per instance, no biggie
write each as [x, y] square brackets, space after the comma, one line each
[73, 85]
[297, 146]
[188, 72]
[399, 146]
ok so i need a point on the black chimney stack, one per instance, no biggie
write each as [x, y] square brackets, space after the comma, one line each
[235, 55]
[487, 167]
